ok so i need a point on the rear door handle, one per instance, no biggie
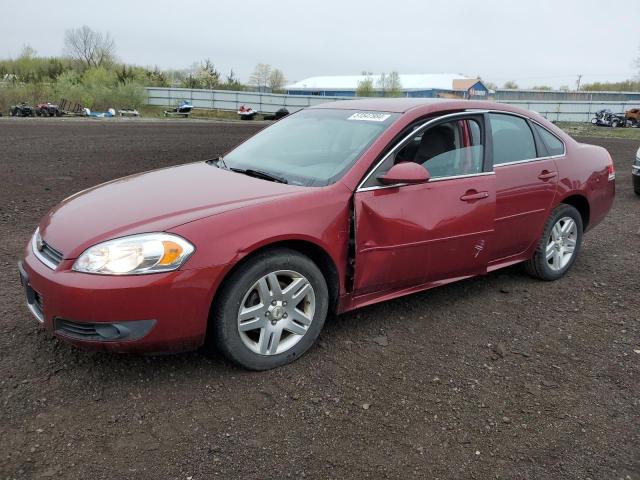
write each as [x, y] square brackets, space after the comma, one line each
[472, 195]
[546, 175]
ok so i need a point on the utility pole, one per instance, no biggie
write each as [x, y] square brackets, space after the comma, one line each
[578, 82]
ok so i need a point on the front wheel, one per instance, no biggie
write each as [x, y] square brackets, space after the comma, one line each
[270, 311]
[559, 245]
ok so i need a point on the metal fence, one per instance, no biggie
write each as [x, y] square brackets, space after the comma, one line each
[231, 100]
[559, 96]
[571, 111]
[567, 111]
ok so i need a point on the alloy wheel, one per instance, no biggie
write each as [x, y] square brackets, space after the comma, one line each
[561, 243]
[276, 312]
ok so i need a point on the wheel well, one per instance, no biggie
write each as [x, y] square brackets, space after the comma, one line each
[581, 204]
[317, 255]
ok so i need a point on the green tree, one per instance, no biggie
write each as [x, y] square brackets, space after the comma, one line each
[156, 78]
[232, 82]
[510, 85]
[365, 87]
[624, 86]
[541, 87]
[207, 75]
[390, 85]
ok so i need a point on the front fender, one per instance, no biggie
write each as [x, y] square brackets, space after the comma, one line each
[319, 216]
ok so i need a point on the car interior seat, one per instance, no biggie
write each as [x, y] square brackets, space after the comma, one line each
[435, 141]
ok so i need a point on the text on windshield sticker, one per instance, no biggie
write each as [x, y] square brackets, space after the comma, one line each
[369, 117]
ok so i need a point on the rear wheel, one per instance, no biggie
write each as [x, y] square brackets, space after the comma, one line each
[271, 310]
[558, 246]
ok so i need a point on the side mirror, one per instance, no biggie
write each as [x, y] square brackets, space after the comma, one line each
[405, 172]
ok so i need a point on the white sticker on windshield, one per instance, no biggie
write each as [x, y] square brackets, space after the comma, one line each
[369, 116]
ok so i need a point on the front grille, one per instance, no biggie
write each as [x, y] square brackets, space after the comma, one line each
[51, 254]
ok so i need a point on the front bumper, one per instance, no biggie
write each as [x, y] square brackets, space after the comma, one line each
[162, 312]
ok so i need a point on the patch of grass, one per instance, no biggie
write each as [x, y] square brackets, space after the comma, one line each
[578, 129]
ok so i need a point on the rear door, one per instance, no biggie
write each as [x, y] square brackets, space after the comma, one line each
[407, 235]
[526, 184]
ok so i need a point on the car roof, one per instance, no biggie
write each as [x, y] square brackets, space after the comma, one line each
[428, 105]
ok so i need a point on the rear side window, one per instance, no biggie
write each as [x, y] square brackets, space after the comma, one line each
[553, 144]
[512, 139]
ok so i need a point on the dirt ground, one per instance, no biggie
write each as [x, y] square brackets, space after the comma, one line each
[500, 377]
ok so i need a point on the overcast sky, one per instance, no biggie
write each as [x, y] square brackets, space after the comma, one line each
[532, 42]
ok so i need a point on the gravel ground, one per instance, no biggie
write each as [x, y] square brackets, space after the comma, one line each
[497, 377]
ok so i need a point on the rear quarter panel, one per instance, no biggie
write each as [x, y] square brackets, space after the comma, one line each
[585, 171]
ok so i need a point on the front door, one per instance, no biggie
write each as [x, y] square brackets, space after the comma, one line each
[407, 235]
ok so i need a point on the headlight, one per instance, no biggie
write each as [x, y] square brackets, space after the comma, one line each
[136, 254]
[637, 162]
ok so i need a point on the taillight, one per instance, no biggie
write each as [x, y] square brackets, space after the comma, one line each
[611, 170]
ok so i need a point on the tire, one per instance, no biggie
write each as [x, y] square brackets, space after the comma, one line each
[540, 265]
[615, 123]
[249, 288]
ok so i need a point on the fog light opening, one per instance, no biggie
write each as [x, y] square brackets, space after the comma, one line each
[111, 332]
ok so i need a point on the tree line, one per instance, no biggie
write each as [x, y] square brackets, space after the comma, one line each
[89, 72]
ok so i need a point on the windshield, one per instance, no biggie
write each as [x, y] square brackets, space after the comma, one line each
[313, 147]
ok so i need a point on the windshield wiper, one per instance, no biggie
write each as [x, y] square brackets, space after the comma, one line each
[218, 162]
[260, 174]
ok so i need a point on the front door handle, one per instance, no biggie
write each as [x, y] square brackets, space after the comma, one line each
[472, 195]
[546, 175]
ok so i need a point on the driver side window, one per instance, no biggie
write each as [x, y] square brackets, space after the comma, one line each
[447, 150]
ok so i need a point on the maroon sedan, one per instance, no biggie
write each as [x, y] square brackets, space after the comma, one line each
[330, 209]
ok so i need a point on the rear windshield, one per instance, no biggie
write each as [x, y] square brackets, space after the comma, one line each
[312, 147]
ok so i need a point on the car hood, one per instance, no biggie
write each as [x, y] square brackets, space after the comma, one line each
[150, 202]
